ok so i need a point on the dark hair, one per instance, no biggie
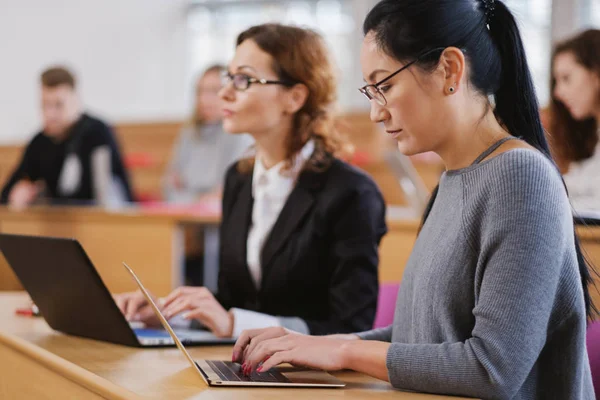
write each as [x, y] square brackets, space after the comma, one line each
[574, 140]
[57, 76]
[487, 33]
[300, 56]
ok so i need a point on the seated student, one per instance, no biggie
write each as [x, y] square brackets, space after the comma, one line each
[572, 120]
[494, 298]
[203, 151]
[75, 158]
[200, 158]
[300, 228]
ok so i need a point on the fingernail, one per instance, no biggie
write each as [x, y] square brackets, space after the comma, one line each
[185, 315]
[161, 301]
[259, 369]
[234, 357]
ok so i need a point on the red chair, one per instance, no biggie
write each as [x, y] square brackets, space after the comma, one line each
[360, 158]
[386, 304]
[139, 160]
[146, 198]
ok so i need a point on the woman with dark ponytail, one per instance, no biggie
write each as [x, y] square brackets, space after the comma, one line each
[494, 300]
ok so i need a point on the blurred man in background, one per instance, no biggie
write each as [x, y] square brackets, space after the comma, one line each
[75, 159]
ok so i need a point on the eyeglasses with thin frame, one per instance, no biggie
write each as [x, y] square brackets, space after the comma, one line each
[373, 92]
[242, 82]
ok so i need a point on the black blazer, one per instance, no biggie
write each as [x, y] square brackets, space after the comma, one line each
[320, 260]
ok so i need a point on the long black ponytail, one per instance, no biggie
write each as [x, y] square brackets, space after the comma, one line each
[516, 101]
[488, 34]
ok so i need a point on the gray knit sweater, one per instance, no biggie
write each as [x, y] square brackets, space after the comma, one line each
[491, 303]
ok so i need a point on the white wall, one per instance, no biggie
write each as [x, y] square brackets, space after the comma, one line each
[565, 15]
[129, 55]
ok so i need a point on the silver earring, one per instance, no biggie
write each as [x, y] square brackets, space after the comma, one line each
[451, 89]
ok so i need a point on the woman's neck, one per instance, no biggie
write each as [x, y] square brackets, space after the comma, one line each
[271, 146]
[469, 140]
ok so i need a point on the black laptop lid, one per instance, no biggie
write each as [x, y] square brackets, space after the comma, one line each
[63, 283]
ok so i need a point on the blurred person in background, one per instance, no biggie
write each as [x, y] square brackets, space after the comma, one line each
[75, 159]
[573, 115]
[203, 151]
[200, 158]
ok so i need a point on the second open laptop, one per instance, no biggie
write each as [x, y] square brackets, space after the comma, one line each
[63, 283]
[227, 373]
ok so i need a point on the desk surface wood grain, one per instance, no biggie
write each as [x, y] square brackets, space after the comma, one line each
[115, 372]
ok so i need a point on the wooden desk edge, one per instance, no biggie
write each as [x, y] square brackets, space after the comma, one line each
[70, 371]
[589, 233]
[102, 214]
[403, 224]
[94, 213]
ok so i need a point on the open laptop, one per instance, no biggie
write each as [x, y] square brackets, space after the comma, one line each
[227, 373]
[65, 286]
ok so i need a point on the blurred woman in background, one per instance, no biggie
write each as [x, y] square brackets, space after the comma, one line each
[573, 116]
[203, 151]
[200, 158]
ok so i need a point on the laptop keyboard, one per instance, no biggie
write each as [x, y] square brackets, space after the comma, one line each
[229, 371]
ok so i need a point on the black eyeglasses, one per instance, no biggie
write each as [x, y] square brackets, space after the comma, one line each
[242, 82]
[372, 92]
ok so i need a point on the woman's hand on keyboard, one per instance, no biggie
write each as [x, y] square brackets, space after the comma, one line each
[199, 303]
[135, 308]
[262, 349]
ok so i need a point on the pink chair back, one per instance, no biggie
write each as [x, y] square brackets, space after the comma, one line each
[388, 293]
[593, 348]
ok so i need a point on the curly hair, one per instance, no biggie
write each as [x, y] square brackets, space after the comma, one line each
[300, 56]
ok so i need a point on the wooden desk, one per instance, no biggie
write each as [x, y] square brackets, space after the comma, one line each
[38, 363]
[152, 243]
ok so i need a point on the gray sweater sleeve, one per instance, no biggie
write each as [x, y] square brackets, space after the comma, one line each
[521, 234]
[381, 334]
